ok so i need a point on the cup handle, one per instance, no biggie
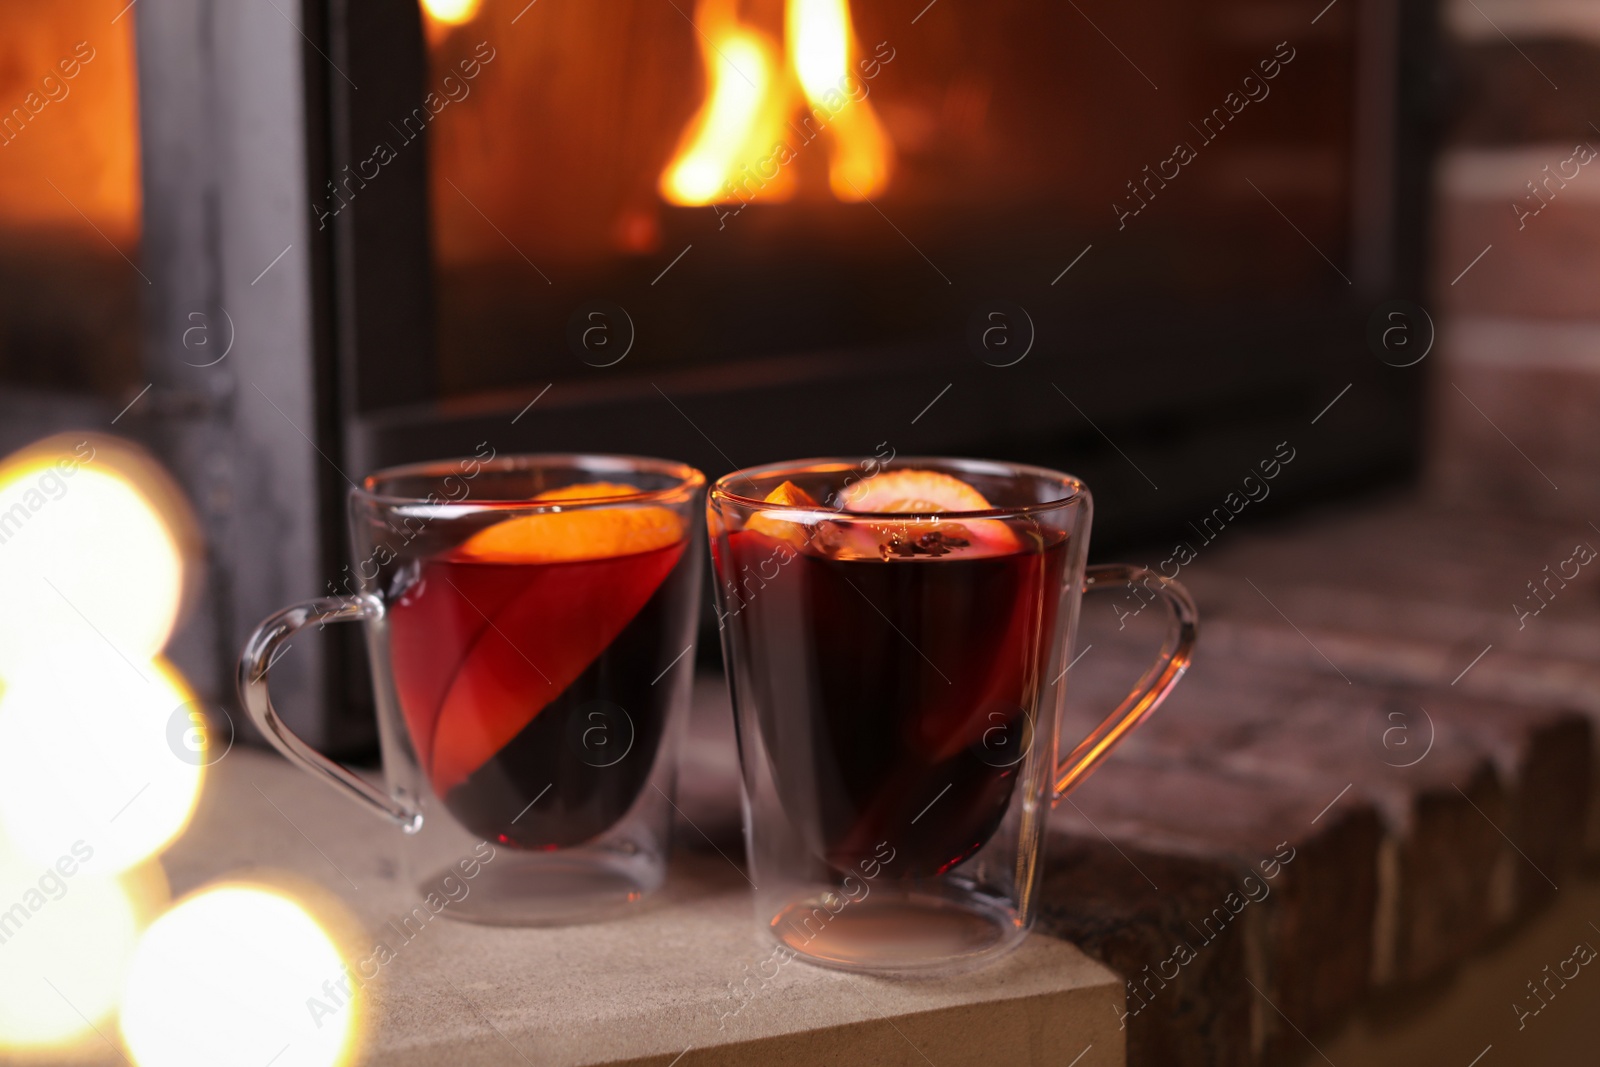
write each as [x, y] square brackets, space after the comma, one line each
[1151, 689]
[255, 662]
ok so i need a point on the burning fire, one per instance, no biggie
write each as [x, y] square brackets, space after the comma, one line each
[451, 12]
[742, 117]
[442, 16]
[821, 42]
[736, 147]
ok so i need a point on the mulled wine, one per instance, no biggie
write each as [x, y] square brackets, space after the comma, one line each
[893, 668]
[525, 663]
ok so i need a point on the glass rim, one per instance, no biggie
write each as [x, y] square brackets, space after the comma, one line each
[688, 480]
[1073, 486]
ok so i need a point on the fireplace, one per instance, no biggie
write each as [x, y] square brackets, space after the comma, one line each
[734, 230]
[1144, 245]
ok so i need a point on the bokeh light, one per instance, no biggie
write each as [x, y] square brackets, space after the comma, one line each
[66, 938]
[84, 756]
[96, 541]
[229, 976]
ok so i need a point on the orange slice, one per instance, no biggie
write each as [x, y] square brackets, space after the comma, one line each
[588, 491]
[919, 492]
[585, 533]
[781, 526]
[530, 647]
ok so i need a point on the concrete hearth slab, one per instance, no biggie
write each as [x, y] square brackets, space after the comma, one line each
[653, 988]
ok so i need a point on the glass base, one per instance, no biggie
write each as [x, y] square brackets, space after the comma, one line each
[902, 932]
[547, 888]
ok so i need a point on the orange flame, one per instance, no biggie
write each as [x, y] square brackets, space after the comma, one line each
[451, 12]
[741, 122]
[821, 43]
[736, 148]
[442, 16]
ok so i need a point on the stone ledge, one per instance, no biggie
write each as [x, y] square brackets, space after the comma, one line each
[640, 990]
[1440, 860]
[1130, 911]
[1307, 943]
[1397, 881]
[1389, 605]
[1421, 598]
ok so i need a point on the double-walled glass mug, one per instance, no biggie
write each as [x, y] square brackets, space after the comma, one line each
[529, 621]
[896, 637]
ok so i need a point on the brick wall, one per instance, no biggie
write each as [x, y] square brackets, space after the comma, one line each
[1516, 276]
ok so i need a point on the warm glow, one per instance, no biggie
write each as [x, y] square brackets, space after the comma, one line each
[78, 133]
[62, 925]
[97, 768]
[821, 45]
[739, 125]
[238, 974]
[93, 546]
[86, 754]
[451, 12]
[92, 542]
[740, 144]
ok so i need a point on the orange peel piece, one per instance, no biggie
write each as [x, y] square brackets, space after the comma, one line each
[585, 533]
[777, 525]
[791, 494]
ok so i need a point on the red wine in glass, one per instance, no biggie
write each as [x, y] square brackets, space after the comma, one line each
[527, 679]
[893, 686]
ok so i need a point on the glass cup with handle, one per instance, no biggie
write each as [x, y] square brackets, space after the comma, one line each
[530, 623]
[896, 636]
